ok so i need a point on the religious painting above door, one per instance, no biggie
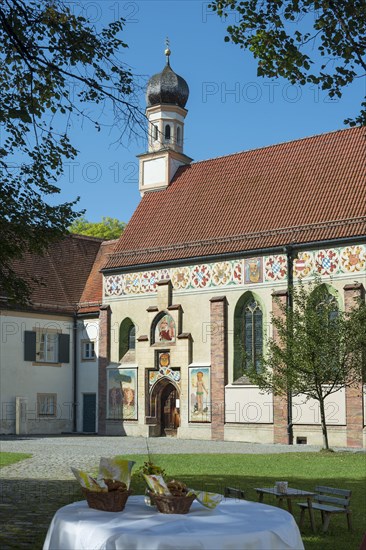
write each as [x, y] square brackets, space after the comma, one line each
[165, 329]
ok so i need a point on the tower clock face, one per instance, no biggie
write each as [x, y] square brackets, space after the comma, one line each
[164, 360]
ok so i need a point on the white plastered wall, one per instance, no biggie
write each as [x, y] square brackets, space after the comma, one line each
[21, 378]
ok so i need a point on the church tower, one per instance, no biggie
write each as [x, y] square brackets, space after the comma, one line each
[166, 96]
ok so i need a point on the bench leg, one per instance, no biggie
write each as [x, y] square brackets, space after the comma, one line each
[326, 522]
[312, 520]
[302, 517]
[349, 520]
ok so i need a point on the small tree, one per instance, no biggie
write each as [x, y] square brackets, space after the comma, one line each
[108, 228]
[318, 348]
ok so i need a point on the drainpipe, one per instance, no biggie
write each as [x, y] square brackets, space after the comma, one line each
[290, 282]
[74, 349]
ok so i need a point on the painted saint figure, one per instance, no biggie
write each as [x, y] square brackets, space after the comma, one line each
[166, 330]
[200, 388]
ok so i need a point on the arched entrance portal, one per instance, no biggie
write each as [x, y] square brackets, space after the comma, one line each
[169, 412]
[164, 417]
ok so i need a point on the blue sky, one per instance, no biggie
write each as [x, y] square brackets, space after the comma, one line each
[230, 109]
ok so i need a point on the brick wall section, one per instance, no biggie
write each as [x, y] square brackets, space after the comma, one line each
[218, 319]
[279, 402]
[354, 400]
[103, 361]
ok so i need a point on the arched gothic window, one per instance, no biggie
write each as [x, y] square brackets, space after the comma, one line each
[252, 320]
[325, 302]
[179, 136]
[156, 133]
[248, 336]
[167, 132]
[127, 337]
[132, 337]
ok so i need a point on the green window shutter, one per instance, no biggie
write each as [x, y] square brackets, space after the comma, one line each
[29, 345]
[63, 348]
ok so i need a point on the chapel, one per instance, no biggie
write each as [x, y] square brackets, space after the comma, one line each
[151, 338]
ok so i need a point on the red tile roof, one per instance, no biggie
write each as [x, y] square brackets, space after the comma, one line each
[62, 273]
[91, 298]
[297, 192]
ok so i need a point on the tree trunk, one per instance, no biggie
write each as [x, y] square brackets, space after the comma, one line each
[323, 423]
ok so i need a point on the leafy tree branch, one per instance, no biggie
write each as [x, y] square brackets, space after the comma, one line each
[55, 67]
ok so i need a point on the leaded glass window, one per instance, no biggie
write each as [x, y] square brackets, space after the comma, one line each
[132, 338]
[252, 334]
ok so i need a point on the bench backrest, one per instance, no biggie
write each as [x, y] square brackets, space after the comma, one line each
[331, 495]
[234, 493]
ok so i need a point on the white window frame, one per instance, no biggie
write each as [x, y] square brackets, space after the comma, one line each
[47, 346]
[46, 405]
[88, 350]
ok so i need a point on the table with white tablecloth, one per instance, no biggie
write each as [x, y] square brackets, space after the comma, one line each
[232, 525]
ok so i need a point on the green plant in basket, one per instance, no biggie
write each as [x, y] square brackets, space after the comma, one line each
[149, 468]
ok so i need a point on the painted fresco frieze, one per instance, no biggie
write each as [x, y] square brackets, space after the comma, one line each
[247, 271]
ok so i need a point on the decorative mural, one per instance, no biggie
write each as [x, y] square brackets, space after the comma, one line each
[164, 372]
[327, 261]
[165, 329]
[253, 270]
[303, 265]
[261, 269]
[199, 394]
[114, 394]
[122, 394]
[353, 258]
[129, 393]
[275, 267]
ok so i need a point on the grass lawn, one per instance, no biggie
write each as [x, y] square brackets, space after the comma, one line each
[11, 458]
[301, 470]
[28, 505]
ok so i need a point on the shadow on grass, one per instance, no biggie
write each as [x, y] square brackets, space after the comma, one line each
[27, 507]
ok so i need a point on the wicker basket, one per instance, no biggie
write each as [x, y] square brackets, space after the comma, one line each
[113, 501]
[167, 504]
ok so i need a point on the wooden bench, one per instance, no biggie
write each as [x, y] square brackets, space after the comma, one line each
[230, 492]
[329, 501]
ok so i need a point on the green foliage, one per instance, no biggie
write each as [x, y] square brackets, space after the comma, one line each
[318, 347]
[330, 51]
[149, 468]
[54, 66]
[108, 228]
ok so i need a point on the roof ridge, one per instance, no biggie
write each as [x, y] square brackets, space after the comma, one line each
[271, 146]
[85, 237]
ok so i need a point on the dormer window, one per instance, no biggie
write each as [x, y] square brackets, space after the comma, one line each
[167, 132]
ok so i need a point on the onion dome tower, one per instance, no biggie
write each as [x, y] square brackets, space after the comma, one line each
[166, 96]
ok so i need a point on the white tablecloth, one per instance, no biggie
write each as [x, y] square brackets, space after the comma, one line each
[233, 525]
